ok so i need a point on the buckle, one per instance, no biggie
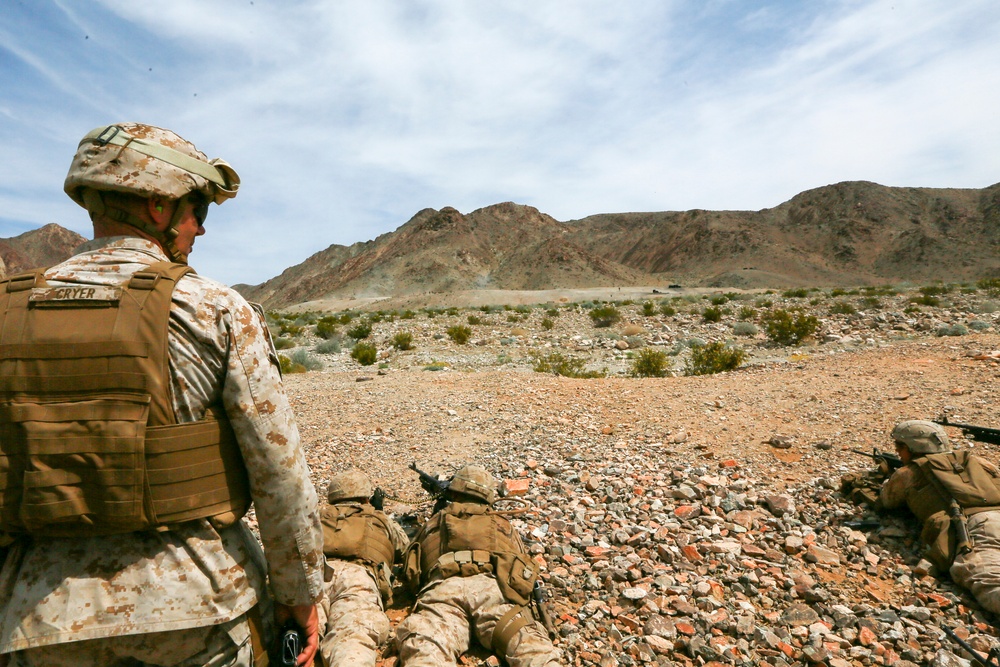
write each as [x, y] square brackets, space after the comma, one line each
[102, 141]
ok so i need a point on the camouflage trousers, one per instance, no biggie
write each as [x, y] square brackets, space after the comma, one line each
[356, 624]
[447, 612]
[225, 645]
[979, 570]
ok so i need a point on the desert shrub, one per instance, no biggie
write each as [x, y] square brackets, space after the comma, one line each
[714, 358]
[635, 342]
[746, 313]
[718, 299]
[407, 315]
[650, 363]
[871, 303]
[789, 328]
[326, 328]
[364, 353]
[286, 328]
[934, 290]
[745, 329]
[842, 308]
[926, 300]
[360, 331]
[436, 366]
[346, 317]
[632, 330]
[910, 310]
[571, 367]
[302, 358]
[514, 317]
[473, 320]
[552, 312]
[694, 342]
[459, 334]
[519, 332]
[990, 285]
[604, 316]
[800, 293]
[283, 343]
[711, 314]
[547, 323]
[522, 309]
[648, 309]
[979, 325]
[287, 366]
[403, 340]
[837, 292]
[331, 346]
[762, 303]
[667, 310]
[987, 307]
[952, 330]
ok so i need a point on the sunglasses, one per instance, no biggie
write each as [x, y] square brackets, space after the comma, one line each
[199, 208]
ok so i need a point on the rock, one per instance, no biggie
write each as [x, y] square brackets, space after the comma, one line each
[780, 441]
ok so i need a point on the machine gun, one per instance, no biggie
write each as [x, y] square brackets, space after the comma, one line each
[980, 433]
[432, 485]
[378, 499]
[891, 460]
[992, 660]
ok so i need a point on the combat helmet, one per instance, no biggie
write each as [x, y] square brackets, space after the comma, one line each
[921, 436]
[473, 481]
[350, 485]
[145, 161]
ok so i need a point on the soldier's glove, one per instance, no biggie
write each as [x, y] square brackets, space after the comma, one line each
[883, 467]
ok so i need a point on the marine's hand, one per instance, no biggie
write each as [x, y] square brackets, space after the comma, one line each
[883, 465]
[307, 618]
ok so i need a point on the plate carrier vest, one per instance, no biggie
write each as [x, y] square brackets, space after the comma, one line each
[89, 442]
[358, 532]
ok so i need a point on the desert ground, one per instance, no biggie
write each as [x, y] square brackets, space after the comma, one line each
[682, 519]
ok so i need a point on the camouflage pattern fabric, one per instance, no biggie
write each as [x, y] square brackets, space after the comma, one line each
[438, 631]
[979, 570]
[356, 624]
[226, 645]
[55, 590]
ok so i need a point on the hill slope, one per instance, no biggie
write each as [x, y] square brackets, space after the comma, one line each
[849, 233]
[45, 246]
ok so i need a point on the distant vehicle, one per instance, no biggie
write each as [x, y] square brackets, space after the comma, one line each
[675, 286]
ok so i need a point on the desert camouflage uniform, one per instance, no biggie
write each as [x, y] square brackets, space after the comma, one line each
[192, 581]
[438, 630]
[978, 570]
[356, 624]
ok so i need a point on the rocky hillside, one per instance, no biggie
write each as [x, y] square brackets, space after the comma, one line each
[849, 233]
[48, 245]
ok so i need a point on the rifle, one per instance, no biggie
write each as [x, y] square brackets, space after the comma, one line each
[980, 433]
[538, 596]
[963, 543]
[432, 485]
[992, 660]
[893, 461]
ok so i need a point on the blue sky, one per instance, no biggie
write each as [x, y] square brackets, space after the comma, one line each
[346, 118]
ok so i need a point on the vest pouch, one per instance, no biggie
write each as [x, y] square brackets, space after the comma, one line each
[469, 532]
[964, 478]
[515, 575]
[411, 567]
[78, 467]
[939, 536]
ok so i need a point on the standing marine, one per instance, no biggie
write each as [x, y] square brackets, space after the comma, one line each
[361, 545]
[956, 497]
[472, 577]
[141, 413]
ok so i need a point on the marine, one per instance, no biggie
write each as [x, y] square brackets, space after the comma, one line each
[141, 413]
[361, 545]
[472, 577]
[956, 497]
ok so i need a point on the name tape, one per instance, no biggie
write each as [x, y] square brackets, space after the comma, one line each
[82, 293]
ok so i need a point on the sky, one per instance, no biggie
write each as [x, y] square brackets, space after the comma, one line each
[344, 119]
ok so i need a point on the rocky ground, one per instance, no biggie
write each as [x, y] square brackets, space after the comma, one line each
[686, 519]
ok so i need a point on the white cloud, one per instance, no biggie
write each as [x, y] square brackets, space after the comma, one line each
[344, 119]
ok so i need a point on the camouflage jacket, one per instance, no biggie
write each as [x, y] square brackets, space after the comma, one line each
[58, 590]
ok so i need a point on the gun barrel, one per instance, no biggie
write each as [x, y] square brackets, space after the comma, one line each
[979, 657]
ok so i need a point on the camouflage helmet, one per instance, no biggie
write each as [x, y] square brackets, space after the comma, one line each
[474, 481]
[350, 485]
[921, 436]
[144, 161]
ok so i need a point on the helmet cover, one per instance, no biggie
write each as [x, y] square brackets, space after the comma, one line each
[350, 485]
[922, 436]
[474, 481]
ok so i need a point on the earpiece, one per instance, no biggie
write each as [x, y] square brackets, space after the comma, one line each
[160, 209]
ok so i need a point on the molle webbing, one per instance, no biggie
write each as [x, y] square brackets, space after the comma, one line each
[355, 531]
[89, 443]
[465, 528]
